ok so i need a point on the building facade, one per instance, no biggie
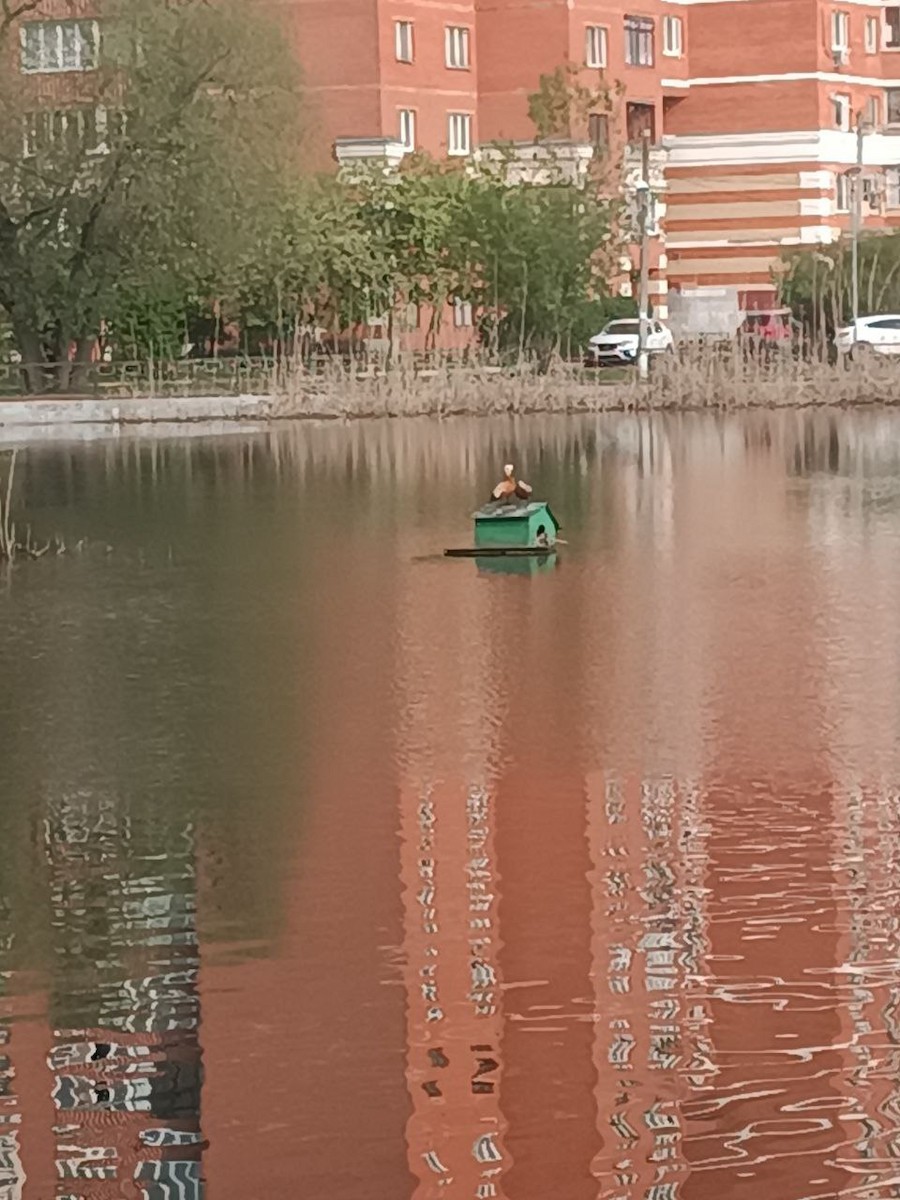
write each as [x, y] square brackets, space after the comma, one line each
[764, 115]
[753, 108]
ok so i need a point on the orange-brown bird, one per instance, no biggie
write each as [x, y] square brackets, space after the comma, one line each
[510, 488]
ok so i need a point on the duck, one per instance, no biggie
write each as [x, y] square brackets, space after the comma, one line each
[509, 488]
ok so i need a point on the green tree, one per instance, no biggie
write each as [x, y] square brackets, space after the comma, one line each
[543, 255]
[817, 282]
[563, 104]
[151, 180]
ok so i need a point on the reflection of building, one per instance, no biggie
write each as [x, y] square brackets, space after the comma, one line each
[645, 947]
[453, 994]
[127, 1059]
[451, 893]
[108, 1094]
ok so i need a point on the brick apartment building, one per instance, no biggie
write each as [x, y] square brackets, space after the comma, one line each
[752, 105]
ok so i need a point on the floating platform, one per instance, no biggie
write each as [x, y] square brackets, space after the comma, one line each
[501, 552]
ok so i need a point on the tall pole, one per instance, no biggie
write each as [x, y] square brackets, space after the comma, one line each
[856, 221]
[644, 226]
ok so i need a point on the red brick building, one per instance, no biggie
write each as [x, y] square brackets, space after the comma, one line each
[753, 105]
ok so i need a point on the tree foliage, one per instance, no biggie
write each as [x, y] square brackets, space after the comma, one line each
[532, 259]
[148, 177]
[817, 282]
[562, 104]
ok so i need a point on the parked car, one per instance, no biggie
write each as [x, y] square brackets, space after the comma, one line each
[618, 343]
[870, 335]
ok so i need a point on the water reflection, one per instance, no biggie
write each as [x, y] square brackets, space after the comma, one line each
[580, 883]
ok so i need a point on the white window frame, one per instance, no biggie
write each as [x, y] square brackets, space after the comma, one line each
[459, 134]
[462, 314]
[404, 41]
[48, 40]
[673, 37]
[845, 122]
[596, 46]
[406, 123]
[840, 31]
[457, 47]
[871, 35]
[892, 187]
[842, 192]
[44, 127]
[872, 112]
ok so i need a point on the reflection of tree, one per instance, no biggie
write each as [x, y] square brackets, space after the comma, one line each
[185, 669]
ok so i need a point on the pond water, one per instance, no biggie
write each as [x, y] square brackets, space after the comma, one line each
[332, 868]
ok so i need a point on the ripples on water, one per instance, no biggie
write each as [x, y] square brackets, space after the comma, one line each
[331, 868]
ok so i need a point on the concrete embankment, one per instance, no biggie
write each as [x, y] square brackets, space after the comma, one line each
[108, 410]
[85, 418]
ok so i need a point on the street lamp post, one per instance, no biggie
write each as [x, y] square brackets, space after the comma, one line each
[855, 177]
[643, 197]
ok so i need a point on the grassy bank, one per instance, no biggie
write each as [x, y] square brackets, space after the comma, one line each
[435, 386]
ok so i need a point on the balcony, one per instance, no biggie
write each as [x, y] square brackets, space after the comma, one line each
[375, 151]
[539, 162]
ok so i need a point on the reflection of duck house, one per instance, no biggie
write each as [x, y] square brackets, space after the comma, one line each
[513, 529]
[515, 563]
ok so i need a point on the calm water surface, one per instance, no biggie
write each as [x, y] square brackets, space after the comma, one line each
[333, 869]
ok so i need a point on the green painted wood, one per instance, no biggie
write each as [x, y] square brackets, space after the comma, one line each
[515, 525]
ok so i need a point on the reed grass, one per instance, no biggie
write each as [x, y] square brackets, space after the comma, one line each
[13, 544]
[7, 525]
[695, 380]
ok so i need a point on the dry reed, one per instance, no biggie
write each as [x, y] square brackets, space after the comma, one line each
[719, 380]
[11, 544]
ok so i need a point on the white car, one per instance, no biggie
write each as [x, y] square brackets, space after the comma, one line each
[617, 344]
[870, 335]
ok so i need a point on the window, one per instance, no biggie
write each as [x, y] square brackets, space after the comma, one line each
[892, 187]
[408, 128]
[462, 314]
[410, 317]
[892, 104]
[673, 37]
[841, 112]
[842, 193]
[639, 41]
[892, 27]
[840, 31]
[456, 47]
[59, 46]
[459, 133]
[403, 41]
[595, 46]
[871, 35]
[872, 112]
[640, 122]
[70, 131]
[598, 131]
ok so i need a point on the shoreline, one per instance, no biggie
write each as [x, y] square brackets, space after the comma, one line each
[472, 395]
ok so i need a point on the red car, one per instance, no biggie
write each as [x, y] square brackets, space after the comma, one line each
[771, 327]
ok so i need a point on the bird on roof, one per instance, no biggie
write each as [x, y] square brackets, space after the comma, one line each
[509, 488]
